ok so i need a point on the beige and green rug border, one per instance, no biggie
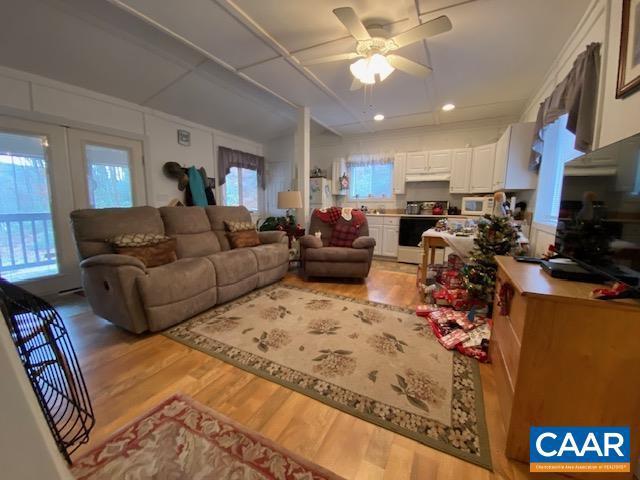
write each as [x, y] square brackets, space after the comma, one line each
[483, 460]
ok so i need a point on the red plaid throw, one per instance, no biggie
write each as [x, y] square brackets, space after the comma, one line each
[343, 235]
[330, 216]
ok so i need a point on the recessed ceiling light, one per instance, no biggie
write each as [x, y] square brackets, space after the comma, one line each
[378, 117]
[447, 107]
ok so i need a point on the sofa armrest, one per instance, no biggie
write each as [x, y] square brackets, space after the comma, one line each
[310, 241]
[273, 236]
[113, 260]
[364, 242]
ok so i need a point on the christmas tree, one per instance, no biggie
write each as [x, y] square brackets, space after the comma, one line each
[495, 236]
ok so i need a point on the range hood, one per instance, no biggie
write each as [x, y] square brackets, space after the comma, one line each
[428, 177]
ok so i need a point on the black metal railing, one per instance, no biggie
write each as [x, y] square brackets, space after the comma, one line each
[26, 240]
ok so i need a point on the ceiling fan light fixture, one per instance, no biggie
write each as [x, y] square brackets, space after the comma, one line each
[366, 69]
[361, 71]
[447, 107]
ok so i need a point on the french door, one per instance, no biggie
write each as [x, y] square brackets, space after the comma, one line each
[47, 171]
[35, 238]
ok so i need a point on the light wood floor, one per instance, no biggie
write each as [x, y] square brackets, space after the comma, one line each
[128, 374]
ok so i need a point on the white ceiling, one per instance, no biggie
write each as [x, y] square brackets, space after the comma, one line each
[234, 65]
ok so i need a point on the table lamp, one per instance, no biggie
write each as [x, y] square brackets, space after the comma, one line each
[289, 200]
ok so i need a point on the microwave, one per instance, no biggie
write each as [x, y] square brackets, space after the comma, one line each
[477, 205]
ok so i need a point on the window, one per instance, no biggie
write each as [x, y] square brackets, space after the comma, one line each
[558, 149]
[371, 177]
[241, 188]
[108, 177]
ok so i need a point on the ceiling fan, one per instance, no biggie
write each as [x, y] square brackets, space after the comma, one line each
[374, 47]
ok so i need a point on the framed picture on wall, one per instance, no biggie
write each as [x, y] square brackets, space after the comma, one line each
[629, 61]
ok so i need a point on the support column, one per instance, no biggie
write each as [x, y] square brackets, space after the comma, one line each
[302, 162]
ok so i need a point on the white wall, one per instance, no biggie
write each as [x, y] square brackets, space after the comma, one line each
[324, 149]
[279, 156]
[37, 98]
[27, 448]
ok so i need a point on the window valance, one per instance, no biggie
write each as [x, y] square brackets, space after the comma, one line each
[229, 158]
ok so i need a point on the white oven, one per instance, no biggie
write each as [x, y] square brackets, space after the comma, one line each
[477, 205]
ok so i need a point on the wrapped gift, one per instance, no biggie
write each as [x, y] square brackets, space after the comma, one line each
[451, 278]
[477, 335]
[451, 340]
[425, 310]
[434, 272]
[441, 297]
[454, 262]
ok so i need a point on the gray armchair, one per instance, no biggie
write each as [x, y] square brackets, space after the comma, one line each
[318, 259]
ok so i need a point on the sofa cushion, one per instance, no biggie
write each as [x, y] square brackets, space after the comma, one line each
[177, 281]
[191, 228]
[233, 265]
[219, 214]
[336, 254]
[233, 226]
[271, 255]
[152, 255]
[93, 227]
[243, 239]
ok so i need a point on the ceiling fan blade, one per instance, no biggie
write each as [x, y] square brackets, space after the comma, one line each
[408, 66]
[356, 85]
[429, 29]
[351, 21]
[331, 58]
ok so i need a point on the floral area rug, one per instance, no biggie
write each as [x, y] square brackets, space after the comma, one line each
[182, 439]
[378, 362]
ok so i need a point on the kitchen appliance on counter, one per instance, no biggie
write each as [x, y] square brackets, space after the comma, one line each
[477, 205]
[427, 207]
[413, 208]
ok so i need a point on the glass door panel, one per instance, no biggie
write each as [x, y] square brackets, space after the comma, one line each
[27, 238]
[107, 170]
[108, 176]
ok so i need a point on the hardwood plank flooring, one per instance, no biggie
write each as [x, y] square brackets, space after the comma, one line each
[128, 374]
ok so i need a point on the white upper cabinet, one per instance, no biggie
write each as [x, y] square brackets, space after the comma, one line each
[460, 170]
[513, 150]
[399, 173]
[482, 159]
[417, 163]
[439, 161]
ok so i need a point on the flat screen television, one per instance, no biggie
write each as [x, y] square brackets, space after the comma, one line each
[599, 215]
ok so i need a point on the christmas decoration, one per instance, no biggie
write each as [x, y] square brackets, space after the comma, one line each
[496, 236]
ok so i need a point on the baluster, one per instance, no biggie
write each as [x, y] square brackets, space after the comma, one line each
[35, 239]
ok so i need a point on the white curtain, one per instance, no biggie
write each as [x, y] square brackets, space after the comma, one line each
[361, 159]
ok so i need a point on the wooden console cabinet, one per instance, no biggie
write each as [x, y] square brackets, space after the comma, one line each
[561, 358]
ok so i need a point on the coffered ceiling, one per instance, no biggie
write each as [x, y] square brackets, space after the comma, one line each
[236, 65]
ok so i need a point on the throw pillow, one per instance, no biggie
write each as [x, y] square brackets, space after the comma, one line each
[244, 238]
[344, 233]
[152, 255]
[233, 226]
[137, 239]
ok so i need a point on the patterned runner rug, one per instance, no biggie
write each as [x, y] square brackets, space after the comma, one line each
[378, 362]
[181, 439]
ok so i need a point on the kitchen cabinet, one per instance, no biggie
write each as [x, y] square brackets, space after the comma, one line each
[416, 163]
[460, 170]
[338, 169]
[481, 174]
[399, 173]
[511, 163]
[439, 161]
[385, 230]
[375, 231]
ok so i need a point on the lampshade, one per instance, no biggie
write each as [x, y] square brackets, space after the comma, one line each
[290, 199]
[366, 69]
